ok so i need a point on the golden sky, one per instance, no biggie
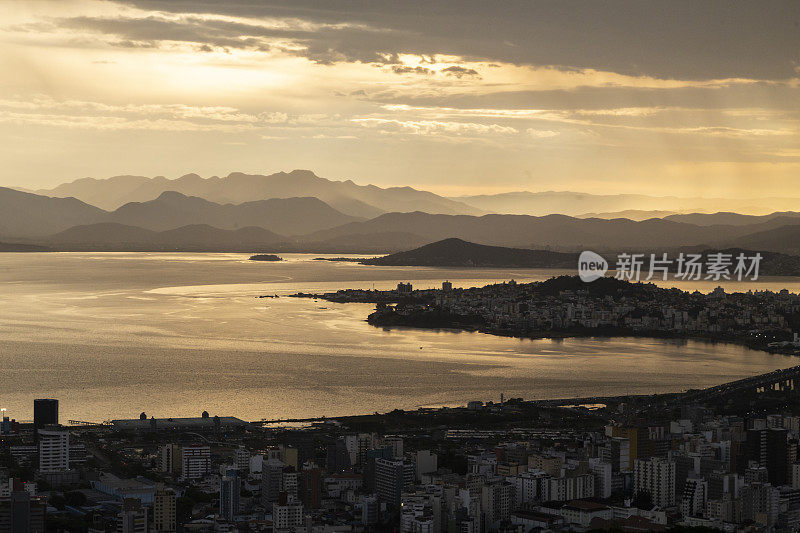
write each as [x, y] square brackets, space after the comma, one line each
[458, 97]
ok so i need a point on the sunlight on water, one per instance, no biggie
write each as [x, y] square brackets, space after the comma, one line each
[114, 334]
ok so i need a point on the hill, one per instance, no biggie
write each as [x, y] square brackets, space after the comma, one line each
[363, 201]
[578, 203]
[784, 239]
[111, 236]
[287, 216]
[731, 219]
[24, 214]
[459, 253]
[556, 232]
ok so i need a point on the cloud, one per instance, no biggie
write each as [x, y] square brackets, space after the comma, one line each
[411, 70]
[43, 110]
[542, 134]
[433, 127]
[460, 72]
[680, 40]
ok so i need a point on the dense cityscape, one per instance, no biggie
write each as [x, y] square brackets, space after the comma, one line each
[723, 458]
[565, 306]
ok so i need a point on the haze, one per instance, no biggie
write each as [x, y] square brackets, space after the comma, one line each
[681, 98]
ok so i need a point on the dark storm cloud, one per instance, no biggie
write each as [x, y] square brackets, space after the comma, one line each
[682, 39]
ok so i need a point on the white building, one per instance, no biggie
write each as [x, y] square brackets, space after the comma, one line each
[657, 477]
[54, 449]
[241, 459]
[195, 461]
[695, 494]
[287, 515]
[570, 488]
[529, 487]
[602, 478]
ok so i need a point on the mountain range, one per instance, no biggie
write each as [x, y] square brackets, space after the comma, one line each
[30, 215]
[364, 201]
[578, 203]
[563, 233]
[239, 217]
[110, 236]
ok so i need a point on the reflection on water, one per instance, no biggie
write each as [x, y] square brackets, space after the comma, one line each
[115, 334]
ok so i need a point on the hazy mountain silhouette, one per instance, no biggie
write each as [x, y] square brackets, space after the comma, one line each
[630, 214]
[26, 215]
[457, 253]
[197, 237]
[727, 218]
[578, 203]
[356, 200]
[783, 239]
[558, 232]
[287, 216]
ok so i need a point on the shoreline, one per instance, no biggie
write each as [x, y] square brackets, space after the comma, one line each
[607, 333]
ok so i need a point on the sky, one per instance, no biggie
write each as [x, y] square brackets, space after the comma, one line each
[458, 97]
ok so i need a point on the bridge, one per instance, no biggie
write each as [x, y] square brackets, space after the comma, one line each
[787, 379]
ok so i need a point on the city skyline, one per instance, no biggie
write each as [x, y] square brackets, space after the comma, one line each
[456, 99]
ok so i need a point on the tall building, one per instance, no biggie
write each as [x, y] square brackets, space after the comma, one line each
[230, 491]
[760, 502]
[19, 511]
[769, 447]
[638, 442]
[170, 458]
[271, 481]
[53, 449]
[370, 510]
[241, 459]
[45, 412]
[310, 486]
[133, 517]
[391, 478]
[655, 476]
[496, 502]
[695, 495]
[195, 461]
[164, 511]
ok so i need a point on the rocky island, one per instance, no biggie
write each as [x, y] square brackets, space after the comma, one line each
[265, 257]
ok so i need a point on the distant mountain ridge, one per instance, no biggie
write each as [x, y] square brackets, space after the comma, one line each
[287, 216]
[25, 214]
[557, 232]
[579, 203]
[30, 215]
[365, 201]
[308, 223]
[111, 236]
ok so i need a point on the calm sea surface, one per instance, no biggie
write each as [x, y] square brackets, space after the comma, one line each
[114, 334]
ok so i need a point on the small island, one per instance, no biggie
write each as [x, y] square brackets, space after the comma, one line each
[265, 257]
